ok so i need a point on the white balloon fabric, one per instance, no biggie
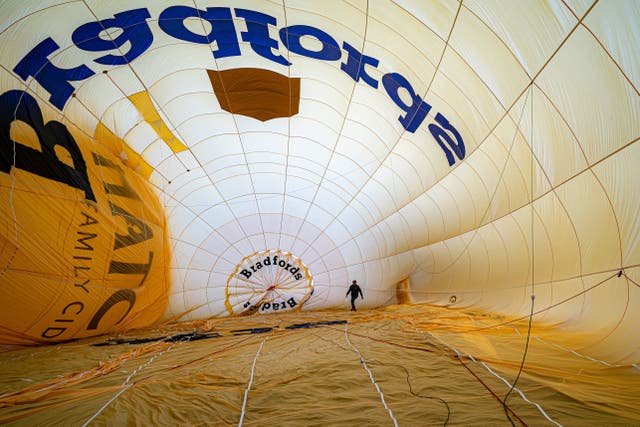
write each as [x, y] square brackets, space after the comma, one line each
[484, 151]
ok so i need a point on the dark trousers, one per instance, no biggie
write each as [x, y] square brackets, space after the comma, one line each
[353, 305]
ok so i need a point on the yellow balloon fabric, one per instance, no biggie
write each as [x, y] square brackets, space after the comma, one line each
[84, 236]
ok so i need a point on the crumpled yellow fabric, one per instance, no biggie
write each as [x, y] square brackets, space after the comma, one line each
[433, 366]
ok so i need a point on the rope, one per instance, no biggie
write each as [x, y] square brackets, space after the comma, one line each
[533, 269]
[446, 404]
[459, 356]
[575, 353]
[373, 381]
[542, 411]
[493, 393]
[584, 291]
[524, 357]
[623, 273]
[107, 404]
[126, 384]
[246, 392]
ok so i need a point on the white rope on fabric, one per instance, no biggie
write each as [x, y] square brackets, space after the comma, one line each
[525, 398]
[127, 384]
[373, 381]
[575, 353]
[491, 371]
[246, 392]
[93, 417]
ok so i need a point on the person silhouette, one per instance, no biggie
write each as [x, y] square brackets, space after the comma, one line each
[354, 290]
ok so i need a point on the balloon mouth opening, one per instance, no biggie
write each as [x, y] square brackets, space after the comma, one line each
[271, 288]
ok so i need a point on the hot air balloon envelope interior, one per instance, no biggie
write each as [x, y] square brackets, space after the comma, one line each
[320, 213]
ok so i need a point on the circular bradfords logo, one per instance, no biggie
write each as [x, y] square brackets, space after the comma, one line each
[268, 282]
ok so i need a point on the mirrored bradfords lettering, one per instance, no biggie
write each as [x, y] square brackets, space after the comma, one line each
[268, 281]
[135, 36]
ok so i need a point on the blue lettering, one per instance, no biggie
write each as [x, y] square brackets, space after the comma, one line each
[257, 34]
[291, 35]
[355, 65]
[416, 112]
[134, 30]
[440, 134]
[55, 80]
[222, 31]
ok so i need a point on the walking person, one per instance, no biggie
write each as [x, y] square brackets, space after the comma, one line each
[354, 290]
